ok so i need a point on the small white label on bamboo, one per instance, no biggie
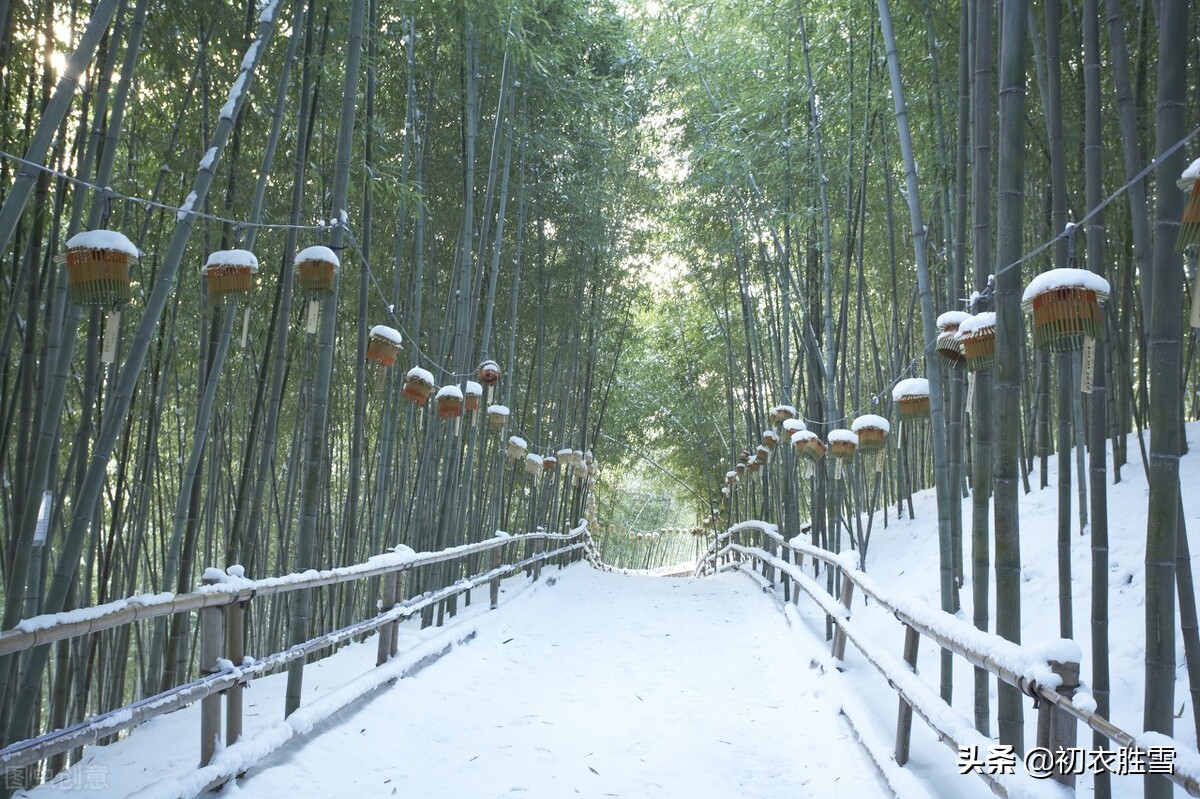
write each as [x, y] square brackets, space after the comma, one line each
[313, 310]
[971, 390]
[43, 519]
[112, 328]
[1089, 365]
[1195, 320]
[837, 472]
[879, 462]
[245, 328]
[808, 468]
[457, 426]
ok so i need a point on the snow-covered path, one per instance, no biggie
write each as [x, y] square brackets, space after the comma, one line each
[601, 684]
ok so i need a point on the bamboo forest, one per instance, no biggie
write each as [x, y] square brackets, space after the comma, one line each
[330, 324]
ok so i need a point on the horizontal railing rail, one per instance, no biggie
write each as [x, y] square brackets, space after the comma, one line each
[1053, 684]
[220, 603]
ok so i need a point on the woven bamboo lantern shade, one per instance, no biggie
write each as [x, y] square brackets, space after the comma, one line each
[745, 456]
[1189, 225]
[497, 416]
[98, 268]
[549, 463]
[533, 464]
[731, 477]
[790, 428]
[516, 448]
[947, 342]
[449, 402]
[978, 338]
[770, 439]
[383, 345]
[229, 275]
[842, 444]
[474, 395]
[782, 413]
[872, 433]
[912, 398]
[762, 455]
[740, 468]
[418, 385]
[1066, 308]
[752, 466]
[316, 268]
[488, 373]
[809, 444]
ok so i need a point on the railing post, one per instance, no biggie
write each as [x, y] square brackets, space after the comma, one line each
[212, 640]
[494, 585]
[785, 554]
[394, 627]
[904, 716]
[1057, 729]
[235, 647]
[387, 632]
[839, 635]
[539, 546]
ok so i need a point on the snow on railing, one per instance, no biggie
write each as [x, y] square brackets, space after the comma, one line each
[1049, 672]
[221, 601]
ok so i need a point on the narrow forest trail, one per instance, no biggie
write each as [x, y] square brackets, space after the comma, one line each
[603, 684]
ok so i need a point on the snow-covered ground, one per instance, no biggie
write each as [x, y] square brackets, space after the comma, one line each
[611, 684]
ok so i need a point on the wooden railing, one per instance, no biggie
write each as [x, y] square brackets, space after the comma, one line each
[1051, 683]
[220, 604]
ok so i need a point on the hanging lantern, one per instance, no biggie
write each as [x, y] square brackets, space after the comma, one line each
[489, 373]
[752, 466]
[843, 443]
[549, 463]
[740, 468]
[978, 338]
[912, 398]
[872, 432]
[229, 275]
[762, 455]
[516, 448]
[745, 456]
[497, 416]
[782, 413]
[1066, 308]
[383, 345]
[316, 268]
[731, 478]
[1189, 225]
[474, 396]
[770, 439]
[449, 402]
[98, 268]
[418, 385]
[809, 444]
[947, 340]
[791, 427]
[533, 464]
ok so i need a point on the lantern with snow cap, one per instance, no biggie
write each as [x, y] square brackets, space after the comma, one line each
[770, 439]
[872, 432]
[549, 463]
[449, 402]
[1189, 225]
[912, 398]
[488, 373]
[229, 275]
[790, 428]
[740, 468]
[843, 443]
[497, 416]
[948, 348]
[474, 394]
[782, 413]
[418, 385]
[383, 345]
[762, 455]
[978, 338]
[516, 448]
[731, 478]
[98, 264]
[533, 464]
[316, 269]
[809, 444]
[1066, 308]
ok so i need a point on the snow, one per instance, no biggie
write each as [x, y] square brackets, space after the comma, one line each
[533, 461]
[844, 436]
[318, 253]
[186, 208]
[453, 392]
[498, 410]
[792, 426]
[785, 410]
[389, 333]
[517, 441]
[235, 94]
[1190, 175]
[209, 157]
[951, 318]
[421, 374]
[268, 12]
[47, 620]
[102, 240]
[474, 389]
[242, 259]
[803, 436]
[870, 420]
[911, 387]
[770, 435]
[1065, 278]
[977, 323]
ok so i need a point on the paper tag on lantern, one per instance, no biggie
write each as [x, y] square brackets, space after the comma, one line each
[457, 426]
[879, 462]
[43, 519]
[1195, 320]
[1089, 365]
[313, 309]
[837, 473]
[808, 468]
[112, 328]
[246, 328]
[971, 390]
